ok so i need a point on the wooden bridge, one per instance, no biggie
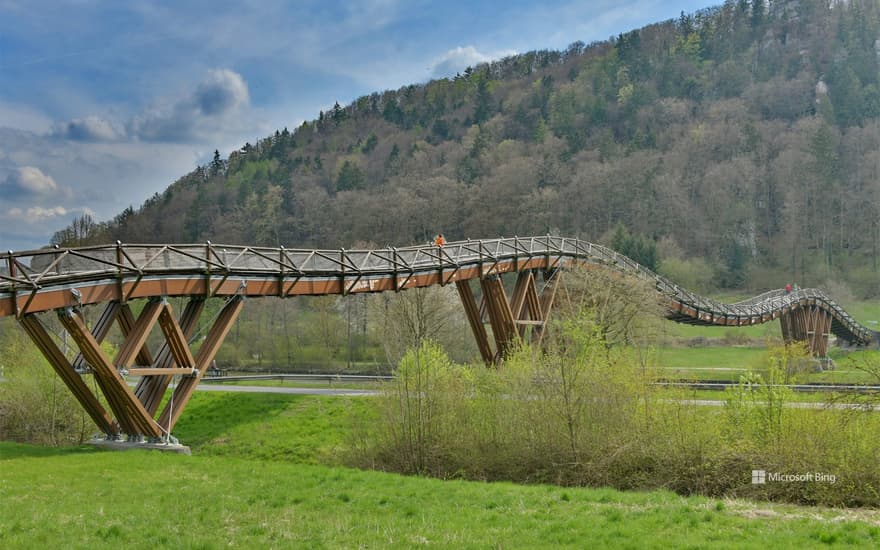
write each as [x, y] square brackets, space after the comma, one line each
[64, 280]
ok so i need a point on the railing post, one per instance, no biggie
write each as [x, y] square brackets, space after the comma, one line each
[547, 251]
[208, 291]
[394, 262]
[12, 289]
[281, 271]
[342, 271]
[119, 270]
[516, 253]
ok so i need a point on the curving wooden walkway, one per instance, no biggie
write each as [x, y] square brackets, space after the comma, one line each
[64, 279]
[42, 280]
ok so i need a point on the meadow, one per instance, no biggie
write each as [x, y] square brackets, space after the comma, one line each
[266, 472]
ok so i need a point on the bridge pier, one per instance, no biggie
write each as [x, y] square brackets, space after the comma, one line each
[133, 411]
[510, 319]
[807, 323]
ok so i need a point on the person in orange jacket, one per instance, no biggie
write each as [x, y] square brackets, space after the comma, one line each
[439, 240]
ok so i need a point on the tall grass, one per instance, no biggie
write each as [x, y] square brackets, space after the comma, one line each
[586, 414]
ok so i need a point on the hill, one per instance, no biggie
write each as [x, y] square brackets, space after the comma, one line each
[742, 140]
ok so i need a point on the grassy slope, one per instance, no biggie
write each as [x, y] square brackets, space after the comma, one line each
[249, 484]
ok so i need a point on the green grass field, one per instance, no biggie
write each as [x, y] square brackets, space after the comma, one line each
[266, 473]
[731, 362]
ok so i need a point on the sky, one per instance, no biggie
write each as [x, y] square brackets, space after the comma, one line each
[104, 103]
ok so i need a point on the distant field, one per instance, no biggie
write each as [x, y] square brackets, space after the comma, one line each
[254, 482]
[731, 362]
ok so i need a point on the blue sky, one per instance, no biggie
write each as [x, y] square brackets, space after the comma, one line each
[103, 103]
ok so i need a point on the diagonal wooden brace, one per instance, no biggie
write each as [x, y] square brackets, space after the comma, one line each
[500, 315]
[68, 374]
[182, 393]
[127, 323]
[132, 416]
[548, 296]
[472, 312]
[138, 333]
[151, 389]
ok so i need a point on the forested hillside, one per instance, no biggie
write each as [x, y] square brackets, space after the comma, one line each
[740, 143]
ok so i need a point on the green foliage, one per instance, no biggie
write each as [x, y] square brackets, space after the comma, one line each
[636, 247]
[350, 177]
[695, 274]
[35, 405]
[755, 407]
[707, 130]
[586, 414]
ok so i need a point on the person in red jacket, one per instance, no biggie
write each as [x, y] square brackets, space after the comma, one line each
[788, 288]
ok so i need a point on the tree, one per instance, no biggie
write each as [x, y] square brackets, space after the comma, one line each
[636, 247]
[625, 309]
[483, 102]
[350, 177]
[405, 320]
[78, 233]
[217, 164]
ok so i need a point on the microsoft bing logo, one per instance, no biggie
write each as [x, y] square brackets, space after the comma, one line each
[759, 477]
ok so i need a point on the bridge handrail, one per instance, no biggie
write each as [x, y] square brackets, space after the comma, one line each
[31, 270]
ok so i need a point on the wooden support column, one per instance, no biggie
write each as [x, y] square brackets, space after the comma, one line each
[518, 298]
[37, 332]
[809, 324]
[473, 315]
[500, 315]
[150, 390]
[182, 393]
[99, 330]
[132, 416]
[818, 329]
[127, 325]
[548, 296]
[137, 335]
[785, 323]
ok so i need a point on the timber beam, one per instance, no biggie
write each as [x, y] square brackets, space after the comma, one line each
[808, 323]
[130, 413]
[68, 374]
[133, 410]
[523, 316]
[203, 358]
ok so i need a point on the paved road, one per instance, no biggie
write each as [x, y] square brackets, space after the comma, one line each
[288, 390]
[359, 393]
[790, 405]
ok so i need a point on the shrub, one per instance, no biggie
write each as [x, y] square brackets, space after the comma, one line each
[585, 413]
[35, 405]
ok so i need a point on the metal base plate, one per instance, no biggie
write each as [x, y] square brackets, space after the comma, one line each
[131, 445]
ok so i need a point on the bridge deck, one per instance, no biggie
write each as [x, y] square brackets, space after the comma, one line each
[42, 280]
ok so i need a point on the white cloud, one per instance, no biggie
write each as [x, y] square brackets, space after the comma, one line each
[36, 214]
[212, 107]
[222, 91]
[28, 181]
[91, 128]
[21, 117]
[458, 59]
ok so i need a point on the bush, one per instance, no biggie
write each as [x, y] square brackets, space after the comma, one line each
[585, 413]
[694, 274]
[35, 405]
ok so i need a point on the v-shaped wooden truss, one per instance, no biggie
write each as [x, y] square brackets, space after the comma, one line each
[810, 324]
[525, 313]
[133, 411]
